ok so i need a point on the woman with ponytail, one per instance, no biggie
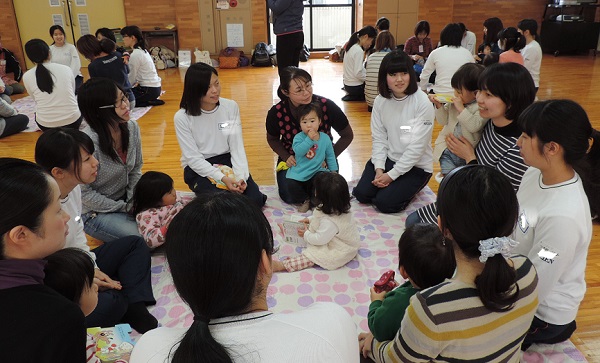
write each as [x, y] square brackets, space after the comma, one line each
[52, 87]
[354, 69]
[482, 313]
[219, 251]
[511, 41]
[555, 223]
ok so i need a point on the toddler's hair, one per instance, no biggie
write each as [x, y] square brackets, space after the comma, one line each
[304, 110]
[331, 193]
[467, 77]
[108, 46]
[383, 23]
[69, 272]
[426, 256]
[490, 59]
[150, 189]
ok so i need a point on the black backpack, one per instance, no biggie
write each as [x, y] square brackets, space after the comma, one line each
[260, 57]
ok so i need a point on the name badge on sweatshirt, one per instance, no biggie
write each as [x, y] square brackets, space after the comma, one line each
[547, 255]
[405, 129]
[225, 126]
[421, 48]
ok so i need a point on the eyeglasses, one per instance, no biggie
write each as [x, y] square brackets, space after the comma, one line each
[123, 101]
[307, 88]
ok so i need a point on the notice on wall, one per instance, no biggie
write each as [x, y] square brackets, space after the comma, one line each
[235, 35]
[80, 3]
[54, 2]
[222, 4]
[57, 19]
[84, 23]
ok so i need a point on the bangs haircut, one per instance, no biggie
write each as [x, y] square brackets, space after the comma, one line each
[195, 86]
[292, 73]
[467, 77]
[61, 148]
[304, 110]
[396, 61]
[512, 83]
[69, 272]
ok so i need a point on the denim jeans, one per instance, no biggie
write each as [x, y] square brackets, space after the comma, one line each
[449, 161]
[108, 227]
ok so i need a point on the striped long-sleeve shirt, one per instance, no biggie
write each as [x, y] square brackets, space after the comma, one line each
[448, 323]
[498, 149]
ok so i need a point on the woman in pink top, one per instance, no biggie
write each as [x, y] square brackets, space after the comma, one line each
[511, 42]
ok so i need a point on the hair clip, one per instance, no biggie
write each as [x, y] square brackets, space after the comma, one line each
[496, 245]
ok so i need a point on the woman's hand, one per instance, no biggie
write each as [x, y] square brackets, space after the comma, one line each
[232, 185]
[104, 282]
[291, 161]
[461, 147]
[365, 340]
[416, 57]
[242, 185]
[377, 295]
[382, 179]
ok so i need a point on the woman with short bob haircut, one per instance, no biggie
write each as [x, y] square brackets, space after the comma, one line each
[384, 43]
[209, 132]
[446, 60]
[118, 149]
[484, 311]
[401, 163]
[223, 244]
[32, 227]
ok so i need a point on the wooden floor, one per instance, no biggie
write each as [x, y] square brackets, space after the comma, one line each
[254, 89]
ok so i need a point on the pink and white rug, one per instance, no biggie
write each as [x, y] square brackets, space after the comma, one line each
[26, 106]
[347, 286]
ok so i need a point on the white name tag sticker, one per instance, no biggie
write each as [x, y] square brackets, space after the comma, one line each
[225, 125]
[405, 129]
[547, 255]
[421, 48]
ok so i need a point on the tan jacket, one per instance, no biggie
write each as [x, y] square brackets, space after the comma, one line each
[471, 125]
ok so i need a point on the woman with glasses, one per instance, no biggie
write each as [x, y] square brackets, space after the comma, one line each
[52, 87]
[118, 149]
[142, 73]
[282, 125]
[209, 132]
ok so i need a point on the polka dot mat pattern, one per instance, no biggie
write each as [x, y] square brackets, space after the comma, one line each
[347, 286]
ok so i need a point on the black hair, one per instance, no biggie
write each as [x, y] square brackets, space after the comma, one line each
[367, 30]
[490, 59]
[149, 190]
[512, 39]
[38, 52]
[304, 110]
[463, 27]
[566, 123]
[512, 83]
[382, 24]
[331, 193]
[93, 94]
[291, 73]
[529, 24]
[475, 203]
[25, 188]
[61, 148]
[451, 35]
[467, 77]
[106, 33]
[195, 86]
[426, 256]
[215, 245]
[422, 26]
[108, 46]
[133, 30]
[385, 40]
[59, 27]
[493, 26]
[69, 272]
[394, 62]
[89, 46]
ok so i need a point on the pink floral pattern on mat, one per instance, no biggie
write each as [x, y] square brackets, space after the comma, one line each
[347, 286]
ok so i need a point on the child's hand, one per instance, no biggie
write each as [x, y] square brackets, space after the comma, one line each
[301, 231]
[365, 340]
[305, 221]
[104, 282]
[458, 104]
[313, 135]
[377, 295]
[434, 100]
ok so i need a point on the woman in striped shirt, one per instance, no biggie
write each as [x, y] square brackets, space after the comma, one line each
[483, 313]
[505, 90]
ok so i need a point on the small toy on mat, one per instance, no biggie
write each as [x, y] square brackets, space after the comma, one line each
[113, 345]
[386, 282]
[228, 171]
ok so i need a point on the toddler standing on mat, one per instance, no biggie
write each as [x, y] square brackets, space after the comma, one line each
[332, 237]
[425, 259]
[460, 117]
[155, 203]
[314, 154]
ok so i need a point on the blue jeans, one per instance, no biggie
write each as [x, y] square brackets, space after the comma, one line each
[449, 161]
[108, 227]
